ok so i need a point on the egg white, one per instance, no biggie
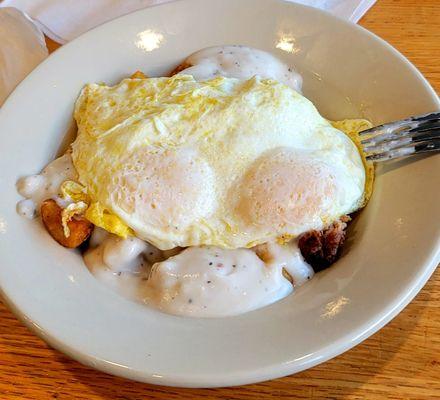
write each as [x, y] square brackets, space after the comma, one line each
[223, 162]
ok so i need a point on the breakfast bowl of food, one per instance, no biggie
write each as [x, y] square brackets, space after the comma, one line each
[191, 206]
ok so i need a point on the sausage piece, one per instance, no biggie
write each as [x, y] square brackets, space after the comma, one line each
[322, 248]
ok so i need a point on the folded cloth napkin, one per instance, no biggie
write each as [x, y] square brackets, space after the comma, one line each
[22, 48]
[63, 20]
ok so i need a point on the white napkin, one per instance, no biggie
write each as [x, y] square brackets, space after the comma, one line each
[22, 48]
[63, 20]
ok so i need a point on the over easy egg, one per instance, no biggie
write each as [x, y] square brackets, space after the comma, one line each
[223, 162]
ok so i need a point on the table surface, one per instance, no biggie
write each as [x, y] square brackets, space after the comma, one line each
[401, 361]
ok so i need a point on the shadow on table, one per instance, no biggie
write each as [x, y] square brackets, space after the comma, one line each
[339, 378]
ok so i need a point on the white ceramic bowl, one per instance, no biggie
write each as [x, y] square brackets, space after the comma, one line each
[393, 246]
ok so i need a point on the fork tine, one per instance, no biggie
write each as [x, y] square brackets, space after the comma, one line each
[406, 150]
[398, 129]
[409, 123]
[400, 138]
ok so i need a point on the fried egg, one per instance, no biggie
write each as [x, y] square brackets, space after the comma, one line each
[224, 162]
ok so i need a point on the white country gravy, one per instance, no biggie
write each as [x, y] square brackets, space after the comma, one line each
[37, 188]
[240, 62]
[197, 281]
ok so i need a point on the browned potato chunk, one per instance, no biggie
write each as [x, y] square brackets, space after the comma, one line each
[138, 75]
[263, 253]
[180, 68]
[80, 228]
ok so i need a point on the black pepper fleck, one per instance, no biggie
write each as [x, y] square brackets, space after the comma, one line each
[208, 281]
[233, 265]
[190, 301]
[210, 263]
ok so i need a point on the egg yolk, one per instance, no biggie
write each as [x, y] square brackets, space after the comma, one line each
[170, 188]
[286, 189]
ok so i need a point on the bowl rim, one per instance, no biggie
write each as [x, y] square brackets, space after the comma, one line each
[269, 372]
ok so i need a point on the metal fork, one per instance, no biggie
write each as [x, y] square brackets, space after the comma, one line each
[402, 138]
